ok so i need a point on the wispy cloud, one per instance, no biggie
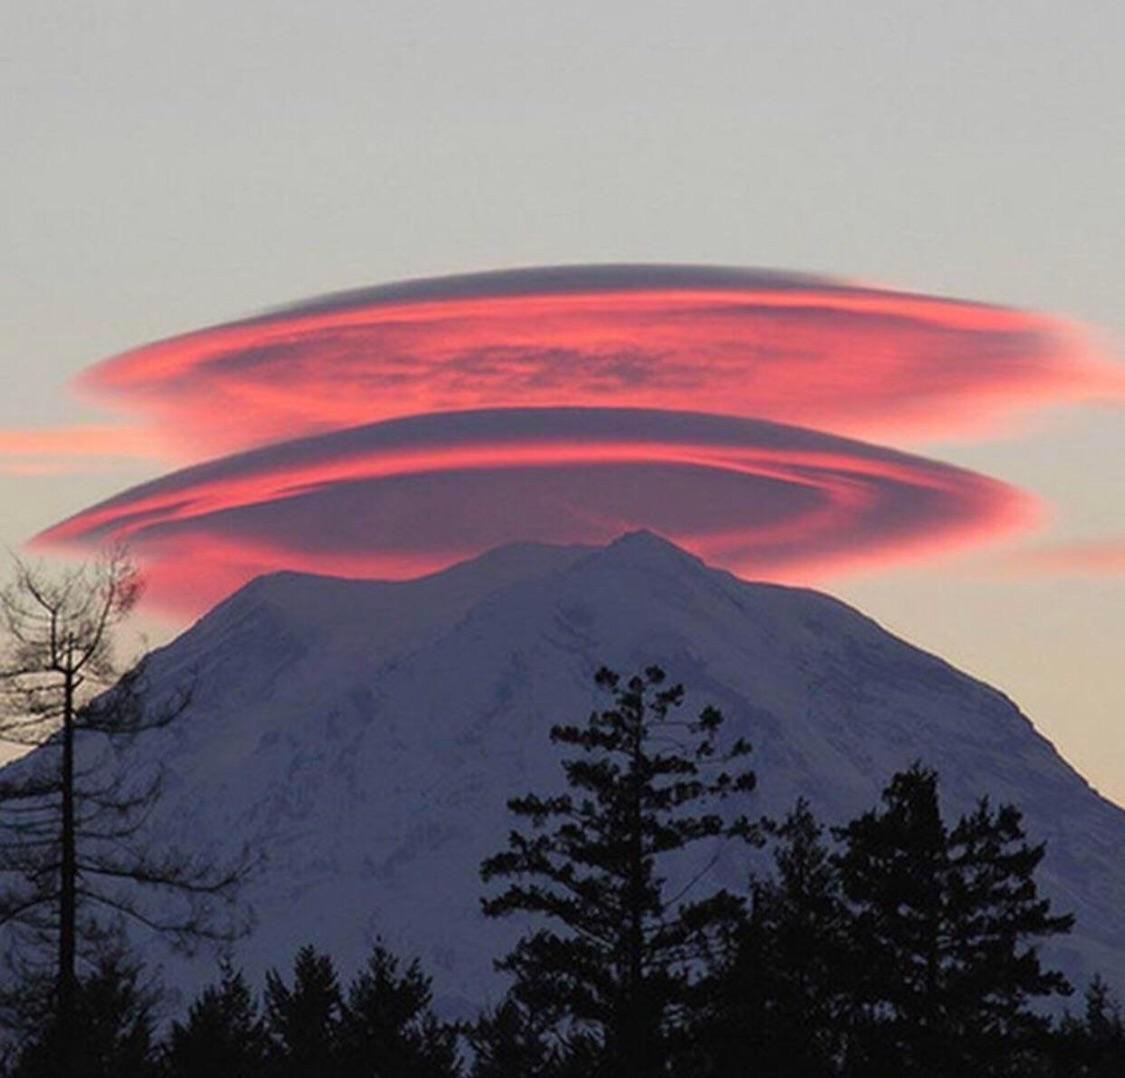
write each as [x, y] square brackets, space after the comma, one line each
[1094, 557]
[75, 449]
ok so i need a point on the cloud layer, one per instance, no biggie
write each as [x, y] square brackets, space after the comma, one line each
[860, 361]
[391, 431]
[402, 497]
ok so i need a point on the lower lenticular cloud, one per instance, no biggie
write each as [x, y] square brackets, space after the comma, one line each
[408, 496]
[864, 362]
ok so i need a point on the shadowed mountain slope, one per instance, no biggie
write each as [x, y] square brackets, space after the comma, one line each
[364, 737]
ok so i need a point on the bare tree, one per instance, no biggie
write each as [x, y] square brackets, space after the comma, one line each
[72, 859]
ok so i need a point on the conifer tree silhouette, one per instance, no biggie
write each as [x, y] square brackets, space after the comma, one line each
[223, 1033]
[109, 1033]
[303, 1020]
[619, 956]
[388, 1026]
[784, 1002]
[946, 926]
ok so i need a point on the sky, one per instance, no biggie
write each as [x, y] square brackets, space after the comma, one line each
[171, 167]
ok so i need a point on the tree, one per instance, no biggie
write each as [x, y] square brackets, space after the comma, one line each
[1092, 1046]
[304, 1020]
[507, 1041]
[946, 922]
[109, 1030]
[223, 1034]
[512, 1040]
[625, 949]
[388, 1026]
[782, 1006]
[71, 812]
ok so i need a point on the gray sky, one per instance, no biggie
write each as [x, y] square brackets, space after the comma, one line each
[169, 165]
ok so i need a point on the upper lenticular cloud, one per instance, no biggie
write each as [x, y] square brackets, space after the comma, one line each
[794, 349]
[407, 496]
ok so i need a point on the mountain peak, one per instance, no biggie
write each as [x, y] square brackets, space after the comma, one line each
[646, 547]
[369, 734]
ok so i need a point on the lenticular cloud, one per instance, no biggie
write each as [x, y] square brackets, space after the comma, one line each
[393, 430]
[858, 361]
[406, 496]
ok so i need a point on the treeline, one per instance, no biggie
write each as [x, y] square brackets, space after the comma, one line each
[898, 945]
[307, 1025]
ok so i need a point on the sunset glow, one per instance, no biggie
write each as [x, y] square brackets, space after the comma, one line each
[44, 451]
[395, 430]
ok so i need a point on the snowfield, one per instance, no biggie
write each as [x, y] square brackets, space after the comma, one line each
[362, 737]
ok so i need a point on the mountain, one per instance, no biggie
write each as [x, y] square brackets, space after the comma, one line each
[364, 737]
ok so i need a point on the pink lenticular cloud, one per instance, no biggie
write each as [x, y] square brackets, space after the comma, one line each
[393, 430]
[407, 496]
[864, 362]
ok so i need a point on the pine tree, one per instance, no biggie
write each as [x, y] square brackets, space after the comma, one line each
[946, 923]
[223, 1035]
[513, 1039]
[304, 1020]
[1093, 1045]
[508, 1041]
[623, 948]
[388, 1026]
[109, 1033]
[781, 1010]
[1105, 1032]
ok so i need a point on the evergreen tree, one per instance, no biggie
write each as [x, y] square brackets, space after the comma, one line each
[1104, 1032]
[388, 1027]
[783, 1004]
[223, 1034]
[304, 1020]
[513, 1040]
[622, 949]
[507, 1041]
[1092, 1046]
[109, 1033]
[946, 923]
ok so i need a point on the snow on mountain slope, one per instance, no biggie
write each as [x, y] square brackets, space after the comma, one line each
[364, 737]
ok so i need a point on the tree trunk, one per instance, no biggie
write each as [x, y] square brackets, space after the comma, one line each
[68, 882]
[636, 1040]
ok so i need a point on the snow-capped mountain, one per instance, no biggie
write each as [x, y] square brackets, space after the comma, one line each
[364, 737]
